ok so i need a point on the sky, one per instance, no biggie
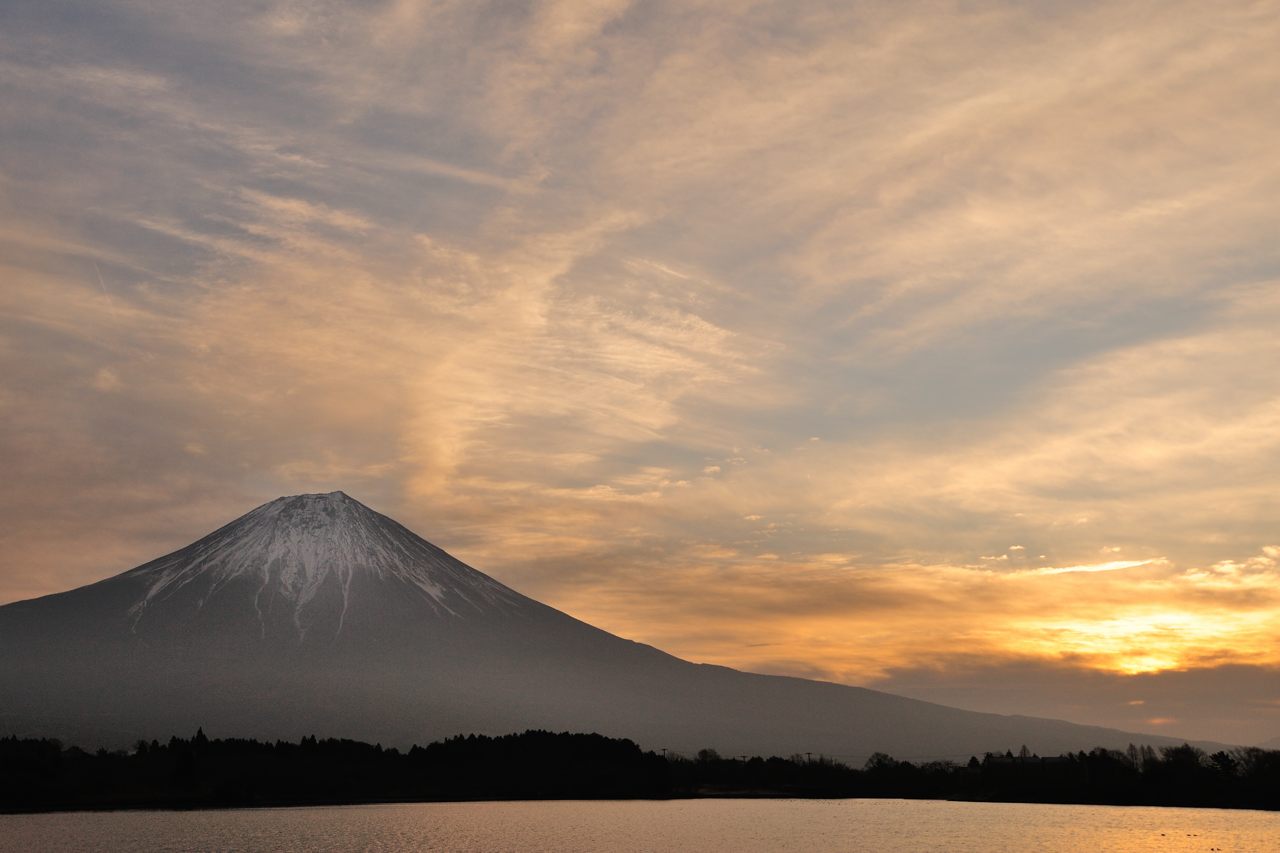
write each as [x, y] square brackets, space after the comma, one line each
[924, 346]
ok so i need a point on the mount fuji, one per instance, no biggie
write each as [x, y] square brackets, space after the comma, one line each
[315, 614]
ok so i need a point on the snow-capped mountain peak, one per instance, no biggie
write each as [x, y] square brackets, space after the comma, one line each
[307, 555]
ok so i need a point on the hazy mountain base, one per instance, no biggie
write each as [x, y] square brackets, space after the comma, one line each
[522, 674]
[41, 775]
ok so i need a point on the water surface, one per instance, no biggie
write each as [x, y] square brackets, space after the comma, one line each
[716, 826]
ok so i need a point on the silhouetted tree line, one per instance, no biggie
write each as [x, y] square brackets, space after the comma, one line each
[1173, 776]
[199, 772]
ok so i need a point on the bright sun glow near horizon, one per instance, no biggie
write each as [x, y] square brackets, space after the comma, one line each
[926, 347]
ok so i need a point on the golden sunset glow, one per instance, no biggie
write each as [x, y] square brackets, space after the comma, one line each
[897, 348]
[1134, 624]
[1151, 642]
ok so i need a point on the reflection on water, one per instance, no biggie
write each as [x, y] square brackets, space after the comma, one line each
[734, 826]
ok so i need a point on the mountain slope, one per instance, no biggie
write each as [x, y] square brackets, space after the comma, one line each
[315, 614]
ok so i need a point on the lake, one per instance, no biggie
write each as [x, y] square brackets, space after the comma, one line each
[732, 826]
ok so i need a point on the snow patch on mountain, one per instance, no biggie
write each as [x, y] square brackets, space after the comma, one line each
[292, 546]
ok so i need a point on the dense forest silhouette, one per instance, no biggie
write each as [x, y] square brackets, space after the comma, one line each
[199, 772]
